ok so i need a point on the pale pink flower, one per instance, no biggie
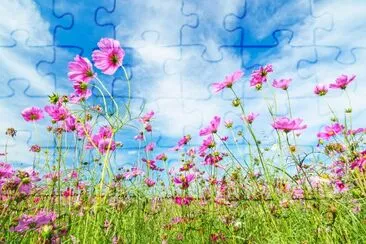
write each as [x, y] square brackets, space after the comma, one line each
[297, 193]
[250, 117]
[80, 69]
[340, 187]
[321, 89]
[228, 82]
[110, 56]
[150, 147]
[134, 172]
[32, 114]
[212, 128]
[282, 84]
[149, 182]
[147, 117]
[287, 125]
[342, 82]
[330, 131]
[161, 157]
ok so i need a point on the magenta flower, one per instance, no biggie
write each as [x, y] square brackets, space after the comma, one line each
[149, 182]
[70, 123]
[150, 147]
[81, 92]
[213, 160]
[151, 164]
[340, 187]
[259, 76]
[110, 56]
[106, 145]
[228, 82]
[134, 172]
[342, 82]
[212, 128]
[32, 114]
[28, 222]
[35, 148]
[356, 131]
[287, 125]
[359, 163]
[321, 89]
[183, 200]
[282, 84]
[83, 130]
[184, 180]
[207, 143]
[330, 131]
[57, 112]
[80, 69]
[6, 170]
[147, 117]
[250, 117]
[161, 157]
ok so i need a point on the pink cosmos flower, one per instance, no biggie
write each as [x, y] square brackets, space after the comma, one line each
[35, 148]
[57, 112]
[6, 170]
[106, 145]
[27, 222]
[147, 117]
[213, 160]
[250, 117]
[151, 164]
[321, 89]
[149, 182]
[110, 56]
[32, 114]
[340, 187]
[207, 143]
[359, 163]
[134, 172]
[83, 130]
[297, 193]
[80, 69]
[228, 82]
[183, 200]
[81, 92]
[330, 131]
[184, 180]
[162, 157]
[212, 128]
[150, 147]
[259, 76]
[139, 136]
[342, 82]
[287, 125]
[69, 192]
[70, 123]
[356, 131]
[282, 84]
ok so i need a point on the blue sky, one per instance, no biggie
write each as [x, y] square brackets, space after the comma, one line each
[174, 50]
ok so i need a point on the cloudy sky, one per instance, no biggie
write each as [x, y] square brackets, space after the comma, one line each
[174, 50]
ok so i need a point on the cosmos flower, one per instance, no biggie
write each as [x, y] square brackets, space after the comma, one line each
[250, 117]
[134, 172]
[32, 114]
[228, 82]
[287, 125]
[282, 84]
[330, 131]
[321, 89]
[80, 70]
[150, 147]
[184, 180]
[342, 82]
[27, 222]
[57, 112]
[183, 200]
[147, 117]
[110, 56]
[149, 182]
[259, 76]
[212, 128]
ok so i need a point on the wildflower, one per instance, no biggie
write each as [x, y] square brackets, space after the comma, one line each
[342, 82]
[228, 82]
[340, 187]
[250, 117]
[287, 125]
[35, 148]
[186, 166]
[80, 70]
[212, 128]
[32, 114]
[70, 123]
[207, 143]
[81, 92]
[359, 163]
[330, 131]
[147, 117]
[57, 112]
[83, 130]
[110, 56]
[106, 145]
[151, 164]
[6, 171]
[213, 159]
[282, 84]
[321, 89]
[69, 192]
[297, 193]
[150, 147]
[184, 180]
[27, 222]
[134, 172]
[356, 131]
[259, 76]
[149, 182]
[139, 136]
[162, 157]
[183, 200]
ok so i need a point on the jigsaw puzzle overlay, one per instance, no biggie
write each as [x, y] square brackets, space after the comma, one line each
[174, 50]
